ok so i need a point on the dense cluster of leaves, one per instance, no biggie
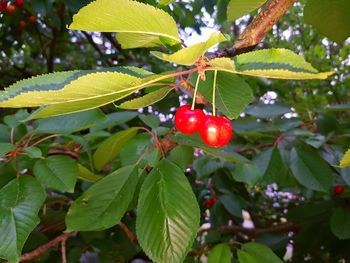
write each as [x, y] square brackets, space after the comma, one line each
[125, 184]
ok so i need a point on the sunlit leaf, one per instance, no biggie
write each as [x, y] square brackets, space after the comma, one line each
[189, 56]
[137, 24]
[345, 161]
[146, 100]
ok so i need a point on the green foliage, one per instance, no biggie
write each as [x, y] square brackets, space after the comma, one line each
[233, 94]
[19, 214]
[340, 223]
[258, 253]
[137, 24]
[168, 214]
[6, 148]
[146, 100]
[189, 55]
[310, 169]
[103, 204]
[345, 161]
[57, 172]
[331, 18]
[220, 253]
[237, 9]
[111, 147]
[277, 63]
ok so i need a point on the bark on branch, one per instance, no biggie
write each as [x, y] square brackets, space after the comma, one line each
[261, 25]
[41, 250]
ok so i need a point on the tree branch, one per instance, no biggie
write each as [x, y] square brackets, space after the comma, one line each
[41, 250]
[131, 235]
[252, 232]
[256, 31]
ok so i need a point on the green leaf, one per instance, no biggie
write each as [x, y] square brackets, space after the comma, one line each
[195, 141]
[272, 167]
[276, 63]
[232, 204]
[182, 156]
[36, 91]
[247, 173]
[345, 161]
[168, 214]
[310, 169]
[225, 64]
[146, 100]
[340, 223]
[33, 152]
[267, 110]
[150, 120]
[6, 148]
[220, 253]
[261, 253]
[331, 18]
[206, 165]
[57, 172]
[137, 24]
[233, 94]
[71, 123]
[115, 119]
[86, 175]
[19, 214]
[165, 2]
[221, 15]
[135, 148]
[245, 257]
[104, 203]
[111, 147]
[238, 8]
[188, 56]
[87, 92]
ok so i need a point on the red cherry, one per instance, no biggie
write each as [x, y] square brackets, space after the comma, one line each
[19, 3]
[11, 9]
[188, 121]
[216, 131]
[210, 202]
[3, 4]
[32, 19]
[22, 24]
[339, 189]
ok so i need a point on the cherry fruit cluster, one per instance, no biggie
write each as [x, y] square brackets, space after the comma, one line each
[10, 7]
[215, 131]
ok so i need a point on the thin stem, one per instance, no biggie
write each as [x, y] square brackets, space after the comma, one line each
[63, 250]
[195, 92]
[12, 135]
[45, 139]
[214, 92]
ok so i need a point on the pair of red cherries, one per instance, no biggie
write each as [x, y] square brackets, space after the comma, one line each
[215, 131]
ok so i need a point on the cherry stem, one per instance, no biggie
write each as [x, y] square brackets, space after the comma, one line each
[214, 92]
[195, 92]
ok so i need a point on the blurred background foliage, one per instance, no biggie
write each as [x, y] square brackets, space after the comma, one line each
[295, 133]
